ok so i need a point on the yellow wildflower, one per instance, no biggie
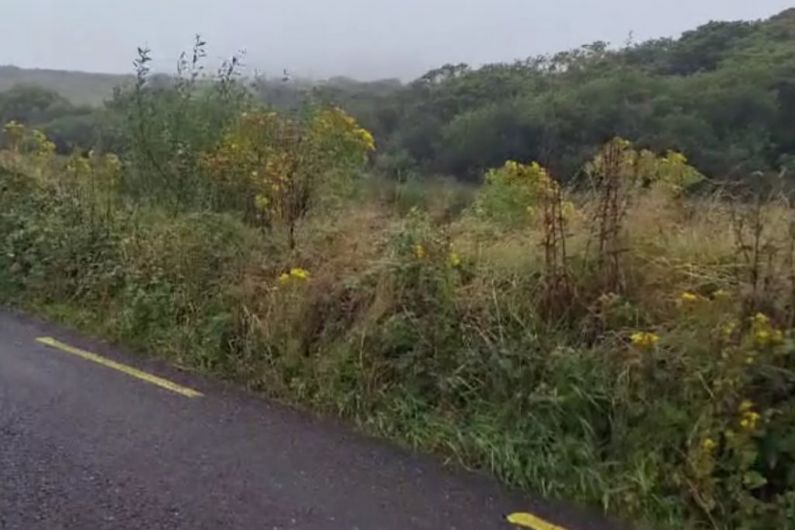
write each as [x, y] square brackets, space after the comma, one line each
[454, 259]
[419, 251]
[284, 278]
[569, 211]
[760, 319]
[750, 421]
[763, 331]
[644, 339]
[727, 329]
[262, 202]
[299, 274]
[689, 298]
[367, 138]
[721, 294]
[709, 445]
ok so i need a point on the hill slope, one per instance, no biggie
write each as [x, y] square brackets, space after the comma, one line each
[81, 88]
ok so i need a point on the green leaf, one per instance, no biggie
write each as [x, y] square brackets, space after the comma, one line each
[753, 480]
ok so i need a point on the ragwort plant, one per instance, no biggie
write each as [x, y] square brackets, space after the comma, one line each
[273, 167]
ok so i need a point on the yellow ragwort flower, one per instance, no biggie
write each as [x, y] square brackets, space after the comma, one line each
[419, 251]
[644, 339]
[262, 202]
[689, 298]
[760, 319]
[299, 274]
[367, 139]
[750, 421]
[454, 259]
[284, 278]
[763, 331]
[721, 294]
[727, 329]
[709, 445]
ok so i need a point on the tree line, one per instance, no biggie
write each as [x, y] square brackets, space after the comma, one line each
[722, 94]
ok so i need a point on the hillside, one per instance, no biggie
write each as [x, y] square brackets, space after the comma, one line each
[80, 88]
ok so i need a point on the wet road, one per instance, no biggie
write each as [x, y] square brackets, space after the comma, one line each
[99, 442]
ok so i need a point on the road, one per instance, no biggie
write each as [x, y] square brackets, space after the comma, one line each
[89, 444]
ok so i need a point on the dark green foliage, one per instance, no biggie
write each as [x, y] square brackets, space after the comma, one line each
[31, 104]
[69, 126]
[722, 93]
[161, 278]
[167, 123]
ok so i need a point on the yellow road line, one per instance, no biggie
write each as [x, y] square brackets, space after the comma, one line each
[129, 370]
[528, 520]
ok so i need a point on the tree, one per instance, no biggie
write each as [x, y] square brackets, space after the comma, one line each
[32, 105]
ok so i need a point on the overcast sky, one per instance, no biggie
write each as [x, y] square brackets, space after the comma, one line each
[358, 38]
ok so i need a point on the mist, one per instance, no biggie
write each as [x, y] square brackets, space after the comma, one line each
[364, 39]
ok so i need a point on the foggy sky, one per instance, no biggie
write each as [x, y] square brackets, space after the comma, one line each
[321, 38]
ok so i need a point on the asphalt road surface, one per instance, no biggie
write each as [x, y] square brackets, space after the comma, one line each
[88, 443]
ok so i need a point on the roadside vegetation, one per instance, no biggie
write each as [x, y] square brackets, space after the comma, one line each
[616, 331]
